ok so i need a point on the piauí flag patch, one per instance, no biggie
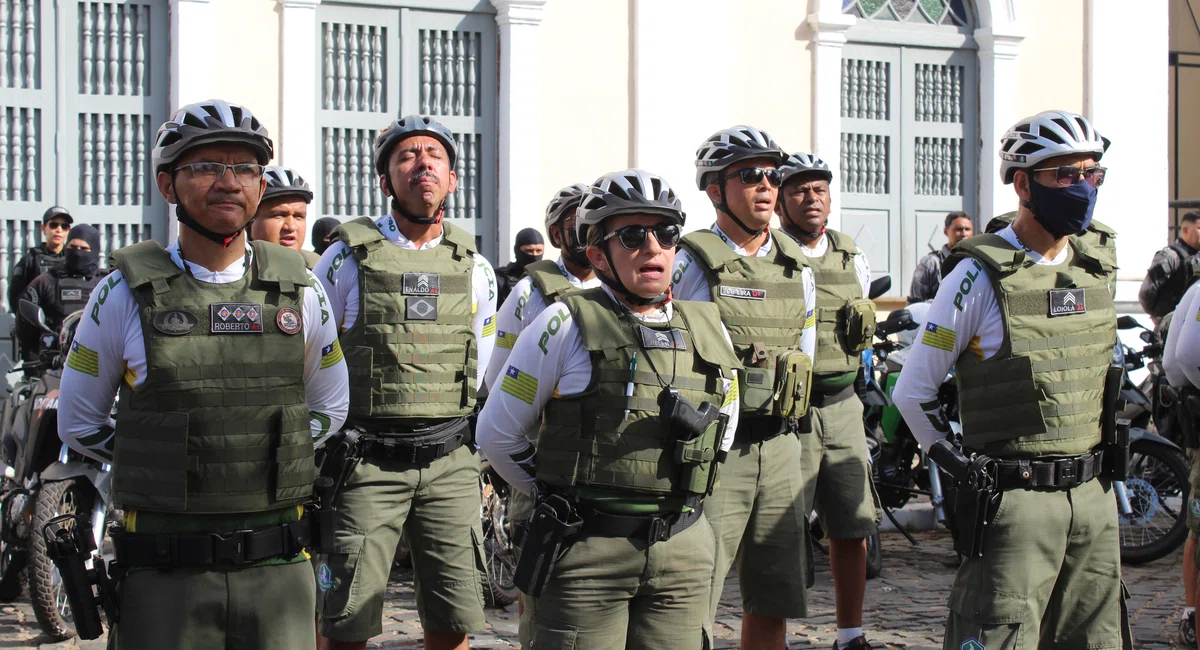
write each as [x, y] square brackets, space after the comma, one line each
[520, 385]
[937, 336]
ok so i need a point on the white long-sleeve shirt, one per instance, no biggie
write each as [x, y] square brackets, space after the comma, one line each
[338, 271]
[964, 317]
[558, 365]
[523, 305]
[109, 348]
[690, 282]
[1181, 353]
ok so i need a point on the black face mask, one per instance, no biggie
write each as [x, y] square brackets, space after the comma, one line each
[525, 259]
[81, 262]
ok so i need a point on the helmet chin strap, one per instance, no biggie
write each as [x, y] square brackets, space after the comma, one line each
[797, 230]
[425, 221]
[630, 297]
[723, 206]
[181, 213]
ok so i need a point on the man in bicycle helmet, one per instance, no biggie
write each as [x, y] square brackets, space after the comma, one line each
[283, 212]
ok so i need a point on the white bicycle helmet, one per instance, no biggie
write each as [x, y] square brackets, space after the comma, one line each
[633, 191]
[801, 162]
[282, 181]
[564, 201]
[1045, 135]
[210, 122]
[728, 146]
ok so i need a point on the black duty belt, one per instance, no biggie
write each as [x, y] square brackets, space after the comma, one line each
[822, 400]
[761, 428]
[1061, 474]
[237, 548]
[416, 447]
[651, 528]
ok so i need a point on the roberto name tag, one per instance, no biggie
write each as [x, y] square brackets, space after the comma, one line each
[421, 284]
[1067, 302]
[664, 340]
[71, 294]
[236, 318]
[744, 293]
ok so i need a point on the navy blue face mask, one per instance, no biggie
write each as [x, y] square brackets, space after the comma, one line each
[1063, 211]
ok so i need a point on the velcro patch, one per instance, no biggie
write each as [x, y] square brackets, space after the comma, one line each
[71, 294]
[174, 322]
[1067, 302]
[421, 284]
[236, 318]
[663, 340]
[420, 308]
[744, 293]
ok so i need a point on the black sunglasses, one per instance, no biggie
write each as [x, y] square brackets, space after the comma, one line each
[1070, 174]
[754, 176]
[634, 237]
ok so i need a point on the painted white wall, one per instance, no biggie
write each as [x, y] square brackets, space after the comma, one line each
[1133, 199]
[192, 73]
[295, 145]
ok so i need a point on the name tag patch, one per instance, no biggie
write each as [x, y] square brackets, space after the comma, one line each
[421, 284]
[174, 322]
[236, 318]
[744, 293]
[1067, 302]
[71, 294]
[662, 340]
[420, 308]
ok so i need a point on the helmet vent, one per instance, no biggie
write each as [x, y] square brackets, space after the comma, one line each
[1028, 147]
[1051, 135]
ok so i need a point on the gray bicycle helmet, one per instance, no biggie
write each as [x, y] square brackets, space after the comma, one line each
[728, 146]
[564, 201]
[408, 126]
[800, 162]
[210, 122]
[282, 181]
[1045, 135]
[633, 191]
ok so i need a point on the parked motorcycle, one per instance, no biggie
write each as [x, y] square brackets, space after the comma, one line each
[43, 479]
[498, 529]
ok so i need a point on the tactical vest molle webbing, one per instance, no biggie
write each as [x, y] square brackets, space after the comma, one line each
[601, 438]
[1041, 394]
[72, 292]
[761, 301]
[45, 260]
[837, 284]
[549, 280]
[1099, 236]
[411, 352]
[220, 425]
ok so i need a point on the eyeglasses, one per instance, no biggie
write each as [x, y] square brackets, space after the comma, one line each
[58, 225]
[1070, 174]
[754, 176]
[246, 173]
[634, 237]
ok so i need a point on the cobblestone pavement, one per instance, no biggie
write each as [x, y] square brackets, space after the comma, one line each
[905, 606]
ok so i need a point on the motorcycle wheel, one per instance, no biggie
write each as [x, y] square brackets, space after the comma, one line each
[874, 556]
[49, 598]
[497, 542]
[1158, 490]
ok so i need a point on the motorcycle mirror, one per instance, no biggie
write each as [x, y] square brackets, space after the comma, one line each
[1128, 323]
[1145, 336]
[33, 315]
[879, 286]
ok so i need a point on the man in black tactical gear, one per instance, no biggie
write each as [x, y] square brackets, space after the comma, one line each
[1171, 270]
[527, 250]
[65, 289]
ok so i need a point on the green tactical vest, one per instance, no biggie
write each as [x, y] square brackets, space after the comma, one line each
[1042, 393]
[310, 259]
[549, 279]
[411, 352]
[837, 285]
[1098, 236]
[220, 425]
[603, 439]
[761, 301]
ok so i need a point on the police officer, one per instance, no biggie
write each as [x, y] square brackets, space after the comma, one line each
[283, 213]
[592, 375]
[527, 249]
[228, 370]
[416, 307]
[545, 280]
[64, 290]
[1171, 270]
[928, 275]
[835, 465]
[321, 231]
[56, 222]
[1027, 318]
[764, 291]
[1101, 237]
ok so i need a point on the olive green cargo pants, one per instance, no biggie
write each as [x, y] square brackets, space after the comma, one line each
[616, 592]
[1050, 576]
[837, 471]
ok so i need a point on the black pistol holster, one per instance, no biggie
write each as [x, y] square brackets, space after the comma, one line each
[88, 590]
[978, 495]
[343, 451]
[1114, 430]
[698, 433]
[554, 520]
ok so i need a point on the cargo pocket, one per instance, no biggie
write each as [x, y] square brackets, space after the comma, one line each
[1000, 401]
[992, 620]
[859, 325]
[794, 379]
[756, 389]
[480, 563]
[553, 636]
[338, 582]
